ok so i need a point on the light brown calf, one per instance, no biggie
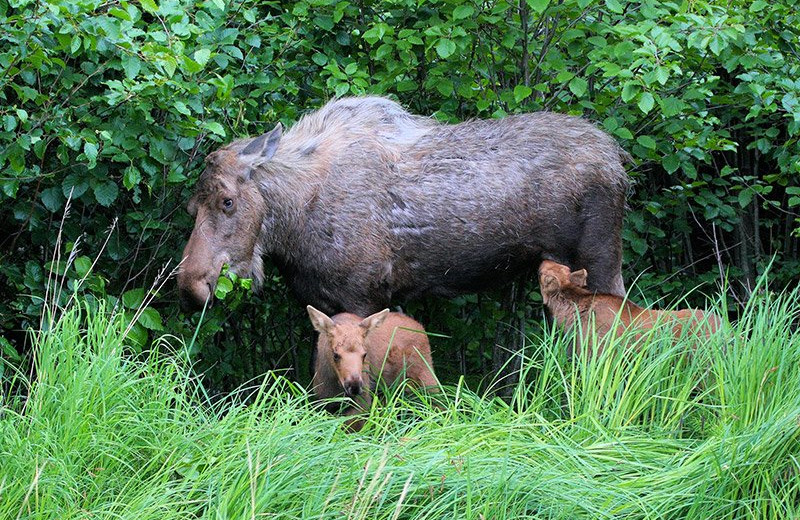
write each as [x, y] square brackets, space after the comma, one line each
[354, 353]
[565, 294]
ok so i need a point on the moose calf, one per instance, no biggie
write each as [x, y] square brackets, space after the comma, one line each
[354, 353]
[566, 296]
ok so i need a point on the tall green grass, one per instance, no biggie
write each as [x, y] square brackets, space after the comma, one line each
[100, 433]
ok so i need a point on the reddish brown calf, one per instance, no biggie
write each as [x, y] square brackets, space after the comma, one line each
[354, 353]
[565, 294]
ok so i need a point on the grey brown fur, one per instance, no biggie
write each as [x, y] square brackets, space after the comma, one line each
[361, 203]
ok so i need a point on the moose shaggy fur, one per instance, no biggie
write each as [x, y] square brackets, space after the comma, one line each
[354, 354]
[568, 299]
[361, 203]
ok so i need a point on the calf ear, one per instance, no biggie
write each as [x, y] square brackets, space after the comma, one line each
[549, 284]
[263, 147]
[578, 278]
[320, 321]
[370, 322]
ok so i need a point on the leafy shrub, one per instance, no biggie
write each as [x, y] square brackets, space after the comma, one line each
[114, 104]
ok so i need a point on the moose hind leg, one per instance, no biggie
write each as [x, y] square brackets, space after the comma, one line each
[600, 245]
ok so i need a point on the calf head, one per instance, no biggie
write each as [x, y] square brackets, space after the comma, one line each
[345, 345]
[228, 210]
[555, 277]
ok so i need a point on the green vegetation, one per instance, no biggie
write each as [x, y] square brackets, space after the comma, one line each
[101, 432]
[115, 103]
[110, 409]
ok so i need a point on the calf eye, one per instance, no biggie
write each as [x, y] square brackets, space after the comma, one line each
[336, 357]
[227, 203]
[364, 357]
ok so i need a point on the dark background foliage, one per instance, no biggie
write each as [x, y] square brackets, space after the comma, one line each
[115, 104]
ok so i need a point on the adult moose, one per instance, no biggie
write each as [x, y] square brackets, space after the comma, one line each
[361, 203]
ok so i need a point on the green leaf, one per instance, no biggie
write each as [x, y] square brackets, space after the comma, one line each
[189, 66]
[319, 58]
[630, 90]
[375, 33]
[90, 150]
[201, 56]
[133, 299]
[564, 76]
[717, 44]
[538, 5]
[224, 286]
[74, 183]
[137, 336]
[175, 177]
[151, 319]
[106, 193]
[181, 107]
[522, 92]
[9, 351]
[646, 102]
[82, 265]
[131, 64]
[215, 127]
[131, 177]
[623, 133]
[646, 141]
[149, 5]
[341, 89]
[52, 199]
[671, 106]
[9, 123]
[639, 246]
[615, 6]
[671, 163]
[324, 22]
[463, 11]
[745, 197]
[445, 87]
[445, 47]
[122, 14]
[578, 86]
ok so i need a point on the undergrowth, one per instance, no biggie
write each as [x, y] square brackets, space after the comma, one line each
[99, 432]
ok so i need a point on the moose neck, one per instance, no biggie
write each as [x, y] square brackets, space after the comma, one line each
[286, 191]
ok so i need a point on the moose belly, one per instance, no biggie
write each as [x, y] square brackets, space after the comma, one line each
[447, 271]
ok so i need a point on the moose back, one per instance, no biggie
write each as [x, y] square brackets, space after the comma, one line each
[361, 203]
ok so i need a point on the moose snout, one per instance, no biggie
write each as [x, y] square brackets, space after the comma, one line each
[194, 293]
[353, 386]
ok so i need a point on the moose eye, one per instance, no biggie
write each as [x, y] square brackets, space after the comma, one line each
[227, 203]
[336, 357]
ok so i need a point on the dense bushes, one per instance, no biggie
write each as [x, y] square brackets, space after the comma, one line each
[116, 103]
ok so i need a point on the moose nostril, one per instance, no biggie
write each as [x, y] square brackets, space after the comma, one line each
[196, 295]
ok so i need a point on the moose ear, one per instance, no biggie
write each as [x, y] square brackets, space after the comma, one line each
[263, 147]
[370, 322]
[319, 320]
[578, 278]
